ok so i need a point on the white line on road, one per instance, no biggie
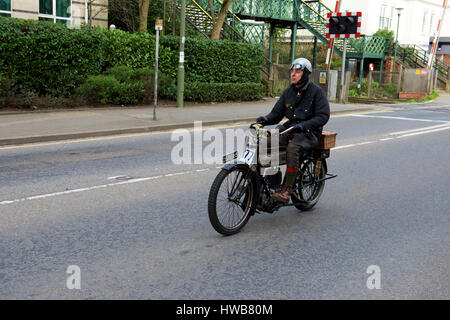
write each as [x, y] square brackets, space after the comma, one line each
[396, 118]
[42, 196]
[423, 132]
[419, 129]
[344, 147]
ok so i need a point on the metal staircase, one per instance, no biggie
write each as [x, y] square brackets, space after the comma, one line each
[233, 28]
[416, 57]
[304, 14]
[310, 15]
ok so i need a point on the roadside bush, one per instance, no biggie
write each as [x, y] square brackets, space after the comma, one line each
[352, 93]
[7, 90]
[125, 85]
[219, 92]
[389, 90]
[219, 61]
[51, 59]
[48, 58]
[106, 89]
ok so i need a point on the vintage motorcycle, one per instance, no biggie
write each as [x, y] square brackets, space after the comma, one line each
[245, 185]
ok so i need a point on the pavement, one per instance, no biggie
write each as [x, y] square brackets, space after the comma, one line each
[23, 127]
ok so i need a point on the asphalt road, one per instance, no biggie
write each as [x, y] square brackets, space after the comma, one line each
[136, 225]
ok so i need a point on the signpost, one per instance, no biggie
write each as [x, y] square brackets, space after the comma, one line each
[180, 77]
[158, 28]
[344, 25]
[369, 82]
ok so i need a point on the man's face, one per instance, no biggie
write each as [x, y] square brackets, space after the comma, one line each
[296, 75]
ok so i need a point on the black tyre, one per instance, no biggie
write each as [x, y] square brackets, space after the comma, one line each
[307, 190]
[230, 200]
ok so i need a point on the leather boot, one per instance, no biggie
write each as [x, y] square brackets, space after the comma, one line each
[284, 195]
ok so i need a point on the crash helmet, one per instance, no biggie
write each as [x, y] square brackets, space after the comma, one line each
[302, 64]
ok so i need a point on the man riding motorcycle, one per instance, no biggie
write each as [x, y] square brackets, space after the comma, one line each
[306, 107]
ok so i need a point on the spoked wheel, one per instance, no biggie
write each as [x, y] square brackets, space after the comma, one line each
[230, 200]
[308, 190]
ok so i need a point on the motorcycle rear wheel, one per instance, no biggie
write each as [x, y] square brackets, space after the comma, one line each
[307, 192]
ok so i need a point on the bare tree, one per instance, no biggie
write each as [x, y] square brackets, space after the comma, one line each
[215, 34]
[132, 13]
[126, 12]
[95, 7]
[213, 13]
[143, 14]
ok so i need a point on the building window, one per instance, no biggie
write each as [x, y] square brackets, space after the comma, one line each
[385, 17]
[5, 8]
[424, 22]
[57, 11]
[431, 23]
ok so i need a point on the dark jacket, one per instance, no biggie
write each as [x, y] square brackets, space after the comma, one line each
[308, 105]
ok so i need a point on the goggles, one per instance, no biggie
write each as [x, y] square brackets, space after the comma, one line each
[297, 66]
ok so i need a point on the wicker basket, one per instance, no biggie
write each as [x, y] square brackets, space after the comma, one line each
[328, 140]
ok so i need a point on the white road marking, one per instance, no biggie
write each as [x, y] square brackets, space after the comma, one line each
[118, 177]
[344, 147]
[419, 129]
[423, 132]
[396, 118]
[42, 196]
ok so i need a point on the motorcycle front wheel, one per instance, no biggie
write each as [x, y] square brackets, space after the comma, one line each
[230, 200]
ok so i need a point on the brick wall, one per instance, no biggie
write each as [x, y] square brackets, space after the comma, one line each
[412, 95]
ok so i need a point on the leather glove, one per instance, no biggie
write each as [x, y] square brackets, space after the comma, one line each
[262, 120]
[299, 127]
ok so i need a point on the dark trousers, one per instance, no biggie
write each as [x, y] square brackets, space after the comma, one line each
[295, 144]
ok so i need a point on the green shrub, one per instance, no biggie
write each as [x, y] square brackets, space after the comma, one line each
[107, 89]
[51, 59]
[99, 89]
[352, 93]
[2, 89]
[48, 58]
[373, 86]
[219, 92]
[432, 96]
[390, 90]
[127, 74]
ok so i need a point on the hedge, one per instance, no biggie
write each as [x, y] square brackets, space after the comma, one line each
[49, 58]
[222, 61]
[219, 92]
[125, 85]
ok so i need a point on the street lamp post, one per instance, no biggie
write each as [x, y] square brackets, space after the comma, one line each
[399, 12]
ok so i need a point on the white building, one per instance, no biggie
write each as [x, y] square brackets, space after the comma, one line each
[418, 20]
[68, 12]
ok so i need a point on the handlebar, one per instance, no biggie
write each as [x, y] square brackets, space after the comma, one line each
[258, 126]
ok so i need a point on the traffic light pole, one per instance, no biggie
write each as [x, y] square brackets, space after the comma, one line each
[344, 53]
